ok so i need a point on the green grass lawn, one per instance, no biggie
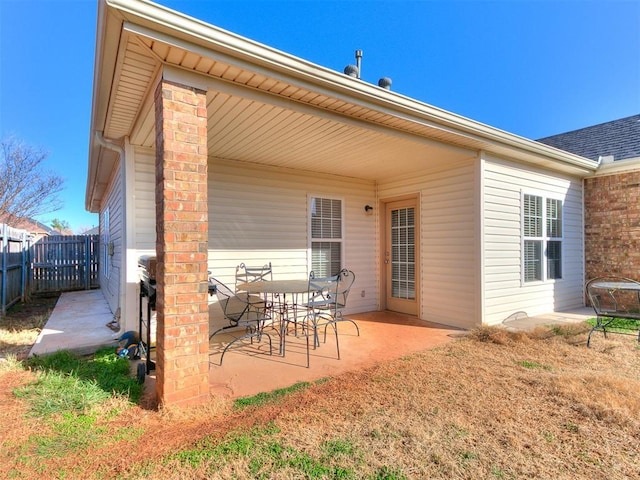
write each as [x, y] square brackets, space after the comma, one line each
[620, 325]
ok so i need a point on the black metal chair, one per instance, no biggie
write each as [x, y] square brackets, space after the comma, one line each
[240, 312]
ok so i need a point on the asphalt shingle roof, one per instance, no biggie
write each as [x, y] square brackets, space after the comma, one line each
[620, 138]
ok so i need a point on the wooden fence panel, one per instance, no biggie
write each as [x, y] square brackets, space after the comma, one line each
[64, 262]
[13, 266]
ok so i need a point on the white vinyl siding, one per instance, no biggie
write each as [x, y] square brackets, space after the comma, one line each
[145, 202]
[448, 242]
[505, 293]
[111, 218]
[260, 214]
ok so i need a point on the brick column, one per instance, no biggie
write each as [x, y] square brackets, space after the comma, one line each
[182, 360]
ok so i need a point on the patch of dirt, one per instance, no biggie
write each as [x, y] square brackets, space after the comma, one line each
[22, 324]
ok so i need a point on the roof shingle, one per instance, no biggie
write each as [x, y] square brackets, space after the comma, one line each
[620, 138]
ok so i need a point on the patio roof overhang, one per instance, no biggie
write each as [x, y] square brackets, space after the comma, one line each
[268, 107]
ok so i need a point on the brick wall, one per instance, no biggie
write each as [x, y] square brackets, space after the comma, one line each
[612, 225]
[182, 360]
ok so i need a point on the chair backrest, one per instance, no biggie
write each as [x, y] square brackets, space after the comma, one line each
[233, 307]
[345, 282]
[248, 274]
[323, 292]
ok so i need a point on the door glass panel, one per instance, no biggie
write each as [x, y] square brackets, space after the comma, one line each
[403, 271]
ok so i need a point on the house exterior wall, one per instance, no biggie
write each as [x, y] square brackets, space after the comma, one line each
[145, 202]
[112, 232]
[612, 225]
[504, 290]
[475, 287]
[448, 241]
[260, 214]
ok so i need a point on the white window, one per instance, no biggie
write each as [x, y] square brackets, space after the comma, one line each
[542, 238]
[326, 236]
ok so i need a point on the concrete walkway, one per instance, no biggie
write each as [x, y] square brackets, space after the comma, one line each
[520, 320]
[78, 323]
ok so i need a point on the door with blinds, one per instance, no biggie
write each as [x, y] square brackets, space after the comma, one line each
[401, 256]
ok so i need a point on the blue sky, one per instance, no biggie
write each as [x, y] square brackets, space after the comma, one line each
[533, 68]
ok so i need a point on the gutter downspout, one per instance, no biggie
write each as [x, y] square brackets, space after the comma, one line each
[111, 145]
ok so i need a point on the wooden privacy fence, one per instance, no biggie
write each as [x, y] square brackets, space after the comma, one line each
[64, 262]
[13, 265]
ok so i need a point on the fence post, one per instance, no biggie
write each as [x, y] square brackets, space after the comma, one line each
[87, 259]
[3, 266]
[25, 263]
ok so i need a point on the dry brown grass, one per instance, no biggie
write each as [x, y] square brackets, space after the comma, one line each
[495, 404]
[19, 329]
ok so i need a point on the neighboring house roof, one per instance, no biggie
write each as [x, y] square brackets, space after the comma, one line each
[270, 108]
[618, 138]
[29, 224]
[92, 231]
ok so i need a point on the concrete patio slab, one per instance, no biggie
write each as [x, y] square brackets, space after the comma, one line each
[78, 323]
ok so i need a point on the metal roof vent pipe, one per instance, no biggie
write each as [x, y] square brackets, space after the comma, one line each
[354, 70]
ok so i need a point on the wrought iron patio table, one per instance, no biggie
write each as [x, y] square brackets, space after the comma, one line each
[284, 292]
[611, 298]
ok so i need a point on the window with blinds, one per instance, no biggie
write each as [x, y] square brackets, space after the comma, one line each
[326, 236]
[542, 235]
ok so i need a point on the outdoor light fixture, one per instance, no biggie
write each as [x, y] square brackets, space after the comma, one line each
[368, 208]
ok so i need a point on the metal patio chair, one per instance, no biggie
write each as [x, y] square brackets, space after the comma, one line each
[249, 274]
[239, 312]
[318, 310]
[346, 278]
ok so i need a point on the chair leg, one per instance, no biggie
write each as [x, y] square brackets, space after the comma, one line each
[341, 319]
[220, 330]
[249, 335]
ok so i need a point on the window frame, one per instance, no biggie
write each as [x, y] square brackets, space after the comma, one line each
[543, 240]
[311, 239]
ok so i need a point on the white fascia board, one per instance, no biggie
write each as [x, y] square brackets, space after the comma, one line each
[618, 166]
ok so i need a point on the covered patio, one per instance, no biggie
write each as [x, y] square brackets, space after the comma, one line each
[78, 323]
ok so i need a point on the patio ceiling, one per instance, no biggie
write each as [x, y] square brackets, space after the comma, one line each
[257, 119]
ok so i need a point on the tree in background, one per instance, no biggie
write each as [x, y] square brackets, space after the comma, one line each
[60, 225]
[26, 189]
